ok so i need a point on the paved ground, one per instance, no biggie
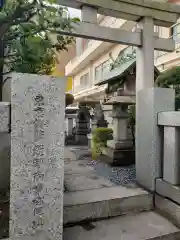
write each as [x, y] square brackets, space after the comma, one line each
[83, 162]
[95, 191]
[146, 225]
[79, 175]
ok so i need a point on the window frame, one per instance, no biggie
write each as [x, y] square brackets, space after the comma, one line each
[102, 72]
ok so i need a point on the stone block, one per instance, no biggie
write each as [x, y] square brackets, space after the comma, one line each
[149, 102]
[37, 157]
[168, 190]
[121, 157]
[141, 226]
[4, 117]
[170, 118]
[104, 203]
[81, 139]
[121, 144]
[168, 209]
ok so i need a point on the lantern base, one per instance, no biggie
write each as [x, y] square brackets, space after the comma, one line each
[120, 157]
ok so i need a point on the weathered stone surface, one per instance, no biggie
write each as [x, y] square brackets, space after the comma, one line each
[99, 118]
[37, 156]
[149, 102]
[168, 209]
[80, 181]
[104, 203]
[120, 157]
[171, 155]
[168, 190]
[145, 225]
[5, 156]
[4, 117]
[120, 149]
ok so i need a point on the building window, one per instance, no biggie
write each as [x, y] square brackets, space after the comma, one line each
[84, 81]
[101, 71]
[176, 33]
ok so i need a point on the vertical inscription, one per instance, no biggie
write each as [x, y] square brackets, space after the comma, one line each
[38, 161]
[37, 142]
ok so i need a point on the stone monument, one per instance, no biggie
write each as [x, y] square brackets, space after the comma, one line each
[37, 157]
[82, 125]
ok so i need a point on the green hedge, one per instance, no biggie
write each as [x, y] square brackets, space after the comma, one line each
[99, 140]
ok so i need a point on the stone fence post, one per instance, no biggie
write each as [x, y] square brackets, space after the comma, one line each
[171, 157]
[168, 185]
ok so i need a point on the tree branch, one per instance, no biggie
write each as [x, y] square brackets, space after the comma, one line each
[10, 20]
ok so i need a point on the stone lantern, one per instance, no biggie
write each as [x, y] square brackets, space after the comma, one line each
[120, 149]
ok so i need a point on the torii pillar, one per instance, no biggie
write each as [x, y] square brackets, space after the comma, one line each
[149, 101]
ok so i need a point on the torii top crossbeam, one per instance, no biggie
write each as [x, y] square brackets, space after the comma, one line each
[164, 14]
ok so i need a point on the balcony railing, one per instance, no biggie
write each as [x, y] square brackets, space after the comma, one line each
[81, 87]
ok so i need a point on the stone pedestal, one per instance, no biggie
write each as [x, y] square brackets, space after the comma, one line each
[120, 149]
[37, 157]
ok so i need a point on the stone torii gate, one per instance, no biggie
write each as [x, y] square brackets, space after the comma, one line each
[147, 14]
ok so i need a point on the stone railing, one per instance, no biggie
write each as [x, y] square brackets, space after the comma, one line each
[167, 185]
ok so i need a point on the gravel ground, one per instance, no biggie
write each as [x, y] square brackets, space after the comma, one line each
[117, 175]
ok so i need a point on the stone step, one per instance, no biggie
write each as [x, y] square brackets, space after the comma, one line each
[139, 226]
[104, 203]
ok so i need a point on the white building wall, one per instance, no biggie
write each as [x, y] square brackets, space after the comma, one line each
[114, 51]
